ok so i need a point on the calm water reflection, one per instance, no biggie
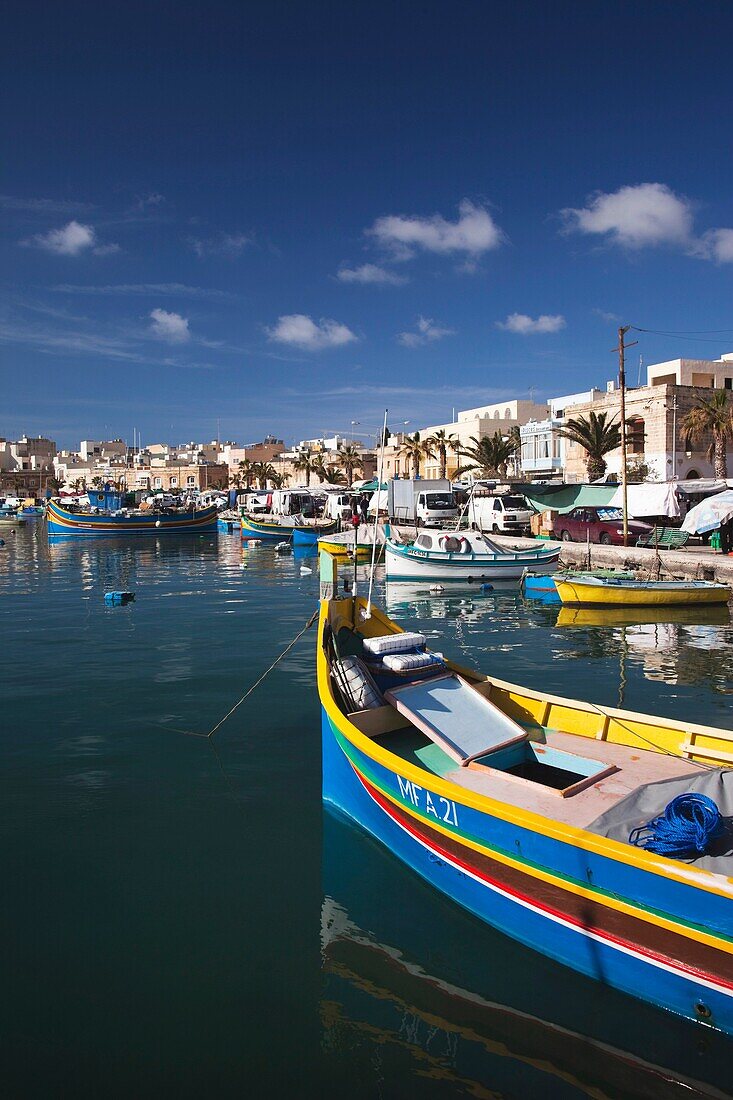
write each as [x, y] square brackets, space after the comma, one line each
[163, 900]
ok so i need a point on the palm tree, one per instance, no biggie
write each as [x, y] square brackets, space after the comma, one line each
[597, 435]
[245, 471]
[307, 464]
[489, 455]
[443, 442]
[320, 469]
[277, 480]
[711, 416]
[349, 459]
[336, 476]
[416, 449]
[97, 482]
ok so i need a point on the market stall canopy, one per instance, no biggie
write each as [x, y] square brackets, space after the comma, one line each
[709, 514]
[649, 499]
[563, 498]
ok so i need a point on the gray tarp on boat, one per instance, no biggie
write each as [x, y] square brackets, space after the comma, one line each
[649, 801]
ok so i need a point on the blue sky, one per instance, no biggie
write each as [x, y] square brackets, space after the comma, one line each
[285, 217]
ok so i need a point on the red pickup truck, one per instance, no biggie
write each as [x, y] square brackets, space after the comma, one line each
[605, 525]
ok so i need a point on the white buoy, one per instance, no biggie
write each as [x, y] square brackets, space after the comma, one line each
[305, 569]
[157, 523]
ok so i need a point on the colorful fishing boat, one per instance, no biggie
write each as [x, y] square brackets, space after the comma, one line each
[616, 592]
[482, 1010]
[501, 797]
[65, 520]
[341, 546]
[278, 528]
[469, 556]
[543, 586]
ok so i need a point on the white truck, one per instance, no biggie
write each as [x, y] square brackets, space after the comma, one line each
[422, 502]
[502, 513]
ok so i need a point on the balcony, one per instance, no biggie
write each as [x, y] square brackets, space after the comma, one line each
[541, 465]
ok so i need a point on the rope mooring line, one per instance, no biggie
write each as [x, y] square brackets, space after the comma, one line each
[266, 673]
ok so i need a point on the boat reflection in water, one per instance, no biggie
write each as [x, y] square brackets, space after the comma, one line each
[418, 993]
[704, 615]
[459, 601]
[672, 645]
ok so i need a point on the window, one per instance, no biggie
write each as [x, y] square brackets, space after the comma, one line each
[728, 384]
[174, 482]
[635, 437]
[507, 414]
[158, 482]
[191, 480]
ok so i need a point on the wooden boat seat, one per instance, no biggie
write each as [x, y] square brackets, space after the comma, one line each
[451, 713]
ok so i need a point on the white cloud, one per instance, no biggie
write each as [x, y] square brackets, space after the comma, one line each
[169, 326]
[223, 244]
[606, 315]
[300, 331]
[177, 290]
[473, 233]
[426, 332]
[716, 244]
[71, 240]
[43, 206]
[635, 217]
[528, 326]
[370, 273]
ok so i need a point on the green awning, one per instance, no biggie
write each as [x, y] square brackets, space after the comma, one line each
[563, 498]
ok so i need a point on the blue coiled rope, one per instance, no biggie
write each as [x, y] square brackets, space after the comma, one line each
[687, 825]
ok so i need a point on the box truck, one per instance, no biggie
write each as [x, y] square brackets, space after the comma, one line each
[427, 503]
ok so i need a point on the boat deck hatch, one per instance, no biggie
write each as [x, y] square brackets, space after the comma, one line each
[532, 762]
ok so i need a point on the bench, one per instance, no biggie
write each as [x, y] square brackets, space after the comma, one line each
[664, 538]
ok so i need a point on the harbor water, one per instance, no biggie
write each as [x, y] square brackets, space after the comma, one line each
[179, 915]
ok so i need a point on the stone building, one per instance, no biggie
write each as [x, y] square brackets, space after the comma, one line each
[656, 412]
[485, 420]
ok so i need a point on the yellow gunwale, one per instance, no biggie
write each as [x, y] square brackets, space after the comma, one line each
[578, 838]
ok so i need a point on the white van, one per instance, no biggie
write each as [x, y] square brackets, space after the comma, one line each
[506, 514]
[339, 506]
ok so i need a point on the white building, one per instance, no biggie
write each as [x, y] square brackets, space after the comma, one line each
[543, 448]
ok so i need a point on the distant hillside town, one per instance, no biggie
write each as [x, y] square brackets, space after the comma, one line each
[522, 439]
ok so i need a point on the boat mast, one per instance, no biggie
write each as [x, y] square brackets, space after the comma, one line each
[368, 609]
[623, 329]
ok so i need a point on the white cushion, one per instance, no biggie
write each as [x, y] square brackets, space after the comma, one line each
[393, 643]
[406, 662]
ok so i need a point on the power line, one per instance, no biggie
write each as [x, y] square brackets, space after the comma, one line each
[689, 335]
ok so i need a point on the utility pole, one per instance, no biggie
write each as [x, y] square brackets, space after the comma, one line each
[674, 438]
[621, 349]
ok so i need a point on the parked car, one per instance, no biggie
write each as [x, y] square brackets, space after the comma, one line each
[605, 525]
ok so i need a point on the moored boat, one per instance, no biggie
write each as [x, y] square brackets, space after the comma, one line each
[63, 520]
[467, 556]
[544, 585]
[341, 546]
[277, 528]
[616, 592]
[501, 798]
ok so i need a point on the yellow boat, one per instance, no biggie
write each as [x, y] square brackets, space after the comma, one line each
[341, 546]
[610, 592]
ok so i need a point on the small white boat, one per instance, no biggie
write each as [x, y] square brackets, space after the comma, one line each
[468, 556]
